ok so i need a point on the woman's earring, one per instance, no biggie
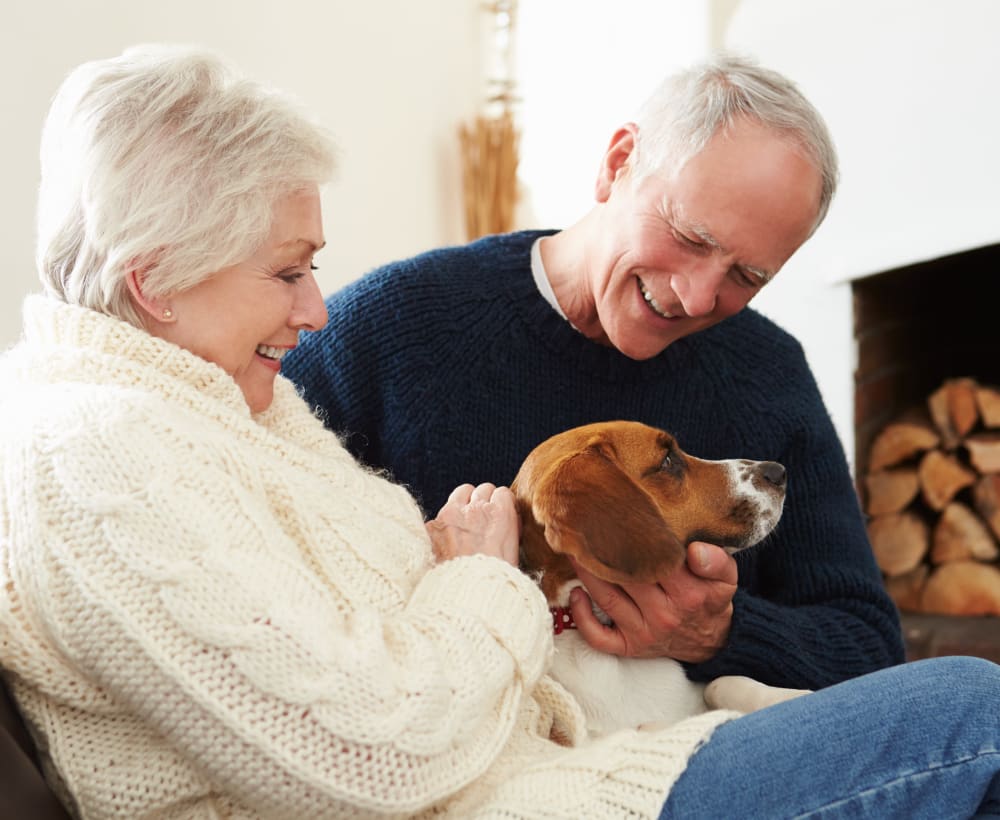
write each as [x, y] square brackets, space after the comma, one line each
[167, 314]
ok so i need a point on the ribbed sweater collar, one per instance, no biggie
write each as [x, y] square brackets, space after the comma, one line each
[116, 352]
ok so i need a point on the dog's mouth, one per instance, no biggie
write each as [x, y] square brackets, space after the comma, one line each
[730, 543]
[752, 531]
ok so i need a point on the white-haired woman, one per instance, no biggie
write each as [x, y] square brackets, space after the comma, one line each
[208, 609]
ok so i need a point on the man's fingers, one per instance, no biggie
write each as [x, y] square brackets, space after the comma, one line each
[711, 563]
[600, 637]
[612, 599]
[684, 616]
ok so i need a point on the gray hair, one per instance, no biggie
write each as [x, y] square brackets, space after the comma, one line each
[689, 108]
[163, 160]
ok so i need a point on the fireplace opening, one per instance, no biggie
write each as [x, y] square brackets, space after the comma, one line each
[916, 328]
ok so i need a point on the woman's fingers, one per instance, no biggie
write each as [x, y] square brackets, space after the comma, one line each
[481, 519]
[483, 493]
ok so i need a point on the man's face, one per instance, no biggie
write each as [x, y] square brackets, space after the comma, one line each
[679, 253]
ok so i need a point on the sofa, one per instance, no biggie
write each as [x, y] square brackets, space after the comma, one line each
[23, 791]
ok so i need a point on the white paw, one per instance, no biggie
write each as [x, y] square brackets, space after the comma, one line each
[746, 695]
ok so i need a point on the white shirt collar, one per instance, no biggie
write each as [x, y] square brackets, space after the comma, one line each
[541, 278]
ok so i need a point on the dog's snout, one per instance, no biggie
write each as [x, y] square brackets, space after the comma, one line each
[773, 473]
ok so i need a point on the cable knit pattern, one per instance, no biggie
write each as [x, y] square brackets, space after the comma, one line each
[211, 614]
[451, 367]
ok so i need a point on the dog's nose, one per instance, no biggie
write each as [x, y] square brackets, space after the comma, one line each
[773, 473]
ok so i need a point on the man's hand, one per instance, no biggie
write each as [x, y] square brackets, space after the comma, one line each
[685, 616]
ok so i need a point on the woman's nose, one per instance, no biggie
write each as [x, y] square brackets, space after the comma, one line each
[310, 310]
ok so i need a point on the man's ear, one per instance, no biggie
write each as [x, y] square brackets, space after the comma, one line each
[615, 162]
[155, 308]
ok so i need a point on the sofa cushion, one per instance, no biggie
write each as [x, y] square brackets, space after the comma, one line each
[23, 790]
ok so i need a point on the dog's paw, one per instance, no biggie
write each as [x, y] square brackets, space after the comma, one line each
[655, 725]
[746, 695]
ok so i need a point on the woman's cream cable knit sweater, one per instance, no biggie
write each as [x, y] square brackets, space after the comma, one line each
[205, 613]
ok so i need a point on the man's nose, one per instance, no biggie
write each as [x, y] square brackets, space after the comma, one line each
[698, 287]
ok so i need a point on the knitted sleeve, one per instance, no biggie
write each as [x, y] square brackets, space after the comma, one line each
[811, 609]
[157, 566]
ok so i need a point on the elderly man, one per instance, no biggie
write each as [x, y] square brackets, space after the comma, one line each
[449, 367]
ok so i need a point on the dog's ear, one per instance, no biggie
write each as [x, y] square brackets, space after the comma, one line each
[594, 511]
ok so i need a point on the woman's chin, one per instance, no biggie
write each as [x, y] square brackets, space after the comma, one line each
[258, 396]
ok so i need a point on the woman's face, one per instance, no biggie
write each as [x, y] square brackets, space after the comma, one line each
[246, 317]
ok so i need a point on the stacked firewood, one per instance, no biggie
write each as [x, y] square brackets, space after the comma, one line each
[932, 494]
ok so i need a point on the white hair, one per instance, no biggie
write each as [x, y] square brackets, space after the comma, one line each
[163, 160]
[689, 108]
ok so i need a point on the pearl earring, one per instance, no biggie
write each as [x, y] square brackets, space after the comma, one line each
[168, 313]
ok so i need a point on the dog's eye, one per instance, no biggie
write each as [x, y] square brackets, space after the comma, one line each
[672, 463]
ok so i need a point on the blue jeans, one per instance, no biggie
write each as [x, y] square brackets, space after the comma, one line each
[920, 740]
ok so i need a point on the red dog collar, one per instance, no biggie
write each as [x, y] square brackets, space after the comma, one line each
[562, 618]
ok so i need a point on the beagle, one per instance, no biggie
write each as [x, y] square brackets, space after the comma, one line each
[623, 500]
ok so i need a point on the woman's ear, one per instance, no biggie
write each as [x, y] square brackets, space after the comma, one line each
[615, 162]
[155, 308]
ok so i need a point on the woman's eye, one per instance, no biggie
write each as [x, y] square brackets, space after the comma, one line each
[291, 276]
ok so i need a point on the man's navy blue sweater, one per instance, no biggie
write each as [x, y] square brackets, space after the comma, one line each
[450, 367]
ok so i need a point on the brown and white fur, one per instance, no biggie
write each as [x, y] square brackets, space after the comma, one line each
[624, 501]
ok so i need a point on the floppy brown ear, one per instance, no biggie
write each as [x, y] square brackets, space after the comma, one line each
[593, 511]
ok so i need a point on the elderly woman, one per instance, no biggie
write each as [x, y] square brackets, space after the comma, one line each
[208, 609]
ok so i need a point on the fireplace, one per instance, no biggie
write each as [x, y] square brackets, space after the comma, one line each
[916, 327]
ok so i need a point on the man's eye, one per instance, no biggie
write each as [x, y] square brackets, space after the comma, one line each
[694, 244]
[748, 279]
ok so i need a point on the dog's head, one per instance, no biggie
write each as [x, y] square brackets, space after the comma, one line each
[623, 500]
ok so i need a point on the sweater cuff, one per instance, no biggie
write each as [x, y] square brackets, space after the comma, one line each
[758, 646]
[503, 598]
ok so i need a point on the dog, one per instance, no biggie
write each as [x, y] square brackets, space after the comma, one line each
[623, 500]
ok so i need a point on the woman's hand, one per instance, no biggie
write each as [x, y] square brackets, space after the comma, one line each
[477, 520]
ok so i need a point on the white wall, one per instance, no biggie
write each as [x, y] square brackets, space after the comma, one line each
[391, 79]
[579, 88]
[908, 88]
